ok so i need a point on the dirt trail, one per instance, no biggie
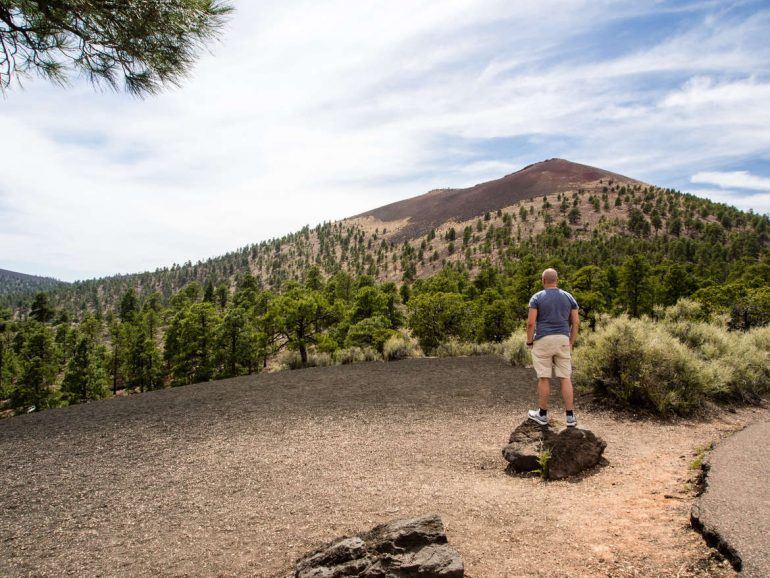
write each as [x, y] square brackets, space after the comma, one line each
[243, 476]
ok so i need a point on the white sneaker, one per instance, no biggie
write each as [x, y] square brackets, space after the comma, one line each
[571, 421]
[534, 415]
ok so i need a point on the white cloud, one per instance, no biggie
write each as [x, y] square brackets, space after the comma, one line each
[313, 111]
[736, 179]
[759, 203]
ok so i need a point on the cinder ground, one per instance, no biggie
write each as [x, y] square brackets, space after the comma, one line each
[240, 477]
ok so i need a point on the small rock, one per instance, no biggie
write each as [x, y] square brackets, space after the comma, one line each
[572, 450]
[416, 547]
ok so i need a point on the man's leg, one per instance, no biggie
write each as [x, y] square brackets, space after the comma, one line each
[563, 363]
[543, 363]
[544, 391]
[567, 393]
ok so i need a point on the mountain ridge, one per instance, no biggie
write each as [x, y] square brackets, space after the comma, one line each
[544, 208]
[435, 207]
[13, 281]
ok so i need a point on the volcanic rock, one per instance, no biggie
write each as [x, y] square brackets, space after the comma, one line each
[398, 549]
[571, 450]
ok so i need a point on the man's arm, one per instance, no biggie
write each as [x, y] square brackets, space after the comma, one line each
[574, 325]
[531, 322]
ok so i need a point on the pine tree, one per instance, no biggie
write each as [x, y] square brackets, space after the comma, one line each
[129, 306]
[405, 293]
[118, 353]
[591, 289]
[635, 290]
[39, 369]
[41, 309]
[191, 343]
[142, 44]
[85, 378]
[434, 317]
[369, 301]
[301, 315]
[8, 363]
[208, 292]
[239, 344]
[497, 321]
[142, 364]
[221, 295]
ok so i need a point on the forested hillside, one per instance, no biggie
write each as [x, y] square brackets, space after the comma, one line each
[20, 283]
[584, 222]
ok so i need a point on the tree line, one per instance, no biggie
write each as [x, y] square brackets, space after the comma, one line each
[207, 331]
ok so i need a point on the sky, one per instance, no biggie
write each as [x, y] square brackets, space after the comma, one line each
[305, 112]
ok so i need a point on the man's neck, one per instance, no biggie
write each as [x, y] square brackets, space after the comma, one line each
[550, 286]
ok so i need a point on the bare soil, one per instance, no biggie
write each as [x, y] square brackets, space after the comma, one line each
[242, 476]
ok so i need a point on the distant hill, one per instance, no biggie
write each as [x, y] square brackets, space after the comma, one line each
[555, 209]
[12, 282]
[420, 214]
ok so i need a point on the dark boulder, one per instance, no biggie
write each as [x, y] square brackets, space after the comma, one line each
[526, 443]
[571, 450]
[402, 548]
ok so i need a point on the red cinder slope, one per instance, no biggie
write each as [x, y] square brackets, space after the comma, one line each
[437, 207]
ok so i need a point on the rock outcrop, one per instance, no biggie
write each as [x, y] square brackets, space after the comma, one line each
[398, 549]
[570, 451]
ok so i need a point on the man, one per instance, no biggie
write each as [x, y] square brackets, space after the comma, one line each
[552, 327]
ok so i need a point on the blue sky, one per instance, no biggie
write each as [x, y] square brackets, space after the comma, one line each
[307, 111]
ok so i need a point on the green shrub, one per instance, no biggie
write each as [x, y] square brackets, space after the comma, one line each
[492, 349]
[751, 310]
[369, 332]
[638, 364]
[739, 362]
[326, 343]
[453, 348]
[515, 350]
[684, 310]
[700, 455]
[355, 355]
[709, 340]
[496, 320]
[319, 359]
[543, 459]
[400, 346]
[456, 348]
[759, 338]
[435, 317]
[291, 359]
[744, 372]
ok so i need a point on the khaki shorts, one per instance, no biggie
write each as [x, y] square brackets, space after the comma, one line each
[552, 352]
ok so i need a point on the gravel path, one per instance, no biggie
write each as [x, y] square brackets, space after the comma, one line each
[242, 476]
[735, 508]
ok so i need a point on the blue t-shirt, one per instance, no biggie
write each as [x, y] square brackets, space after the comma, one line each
[553, 310]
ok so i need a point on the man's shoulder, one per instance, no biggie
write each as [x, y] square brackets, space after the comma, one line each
[569, 296]
[536, 297]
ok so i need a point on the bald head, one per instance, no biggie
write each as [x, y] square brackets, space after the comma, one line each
[550, 277]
